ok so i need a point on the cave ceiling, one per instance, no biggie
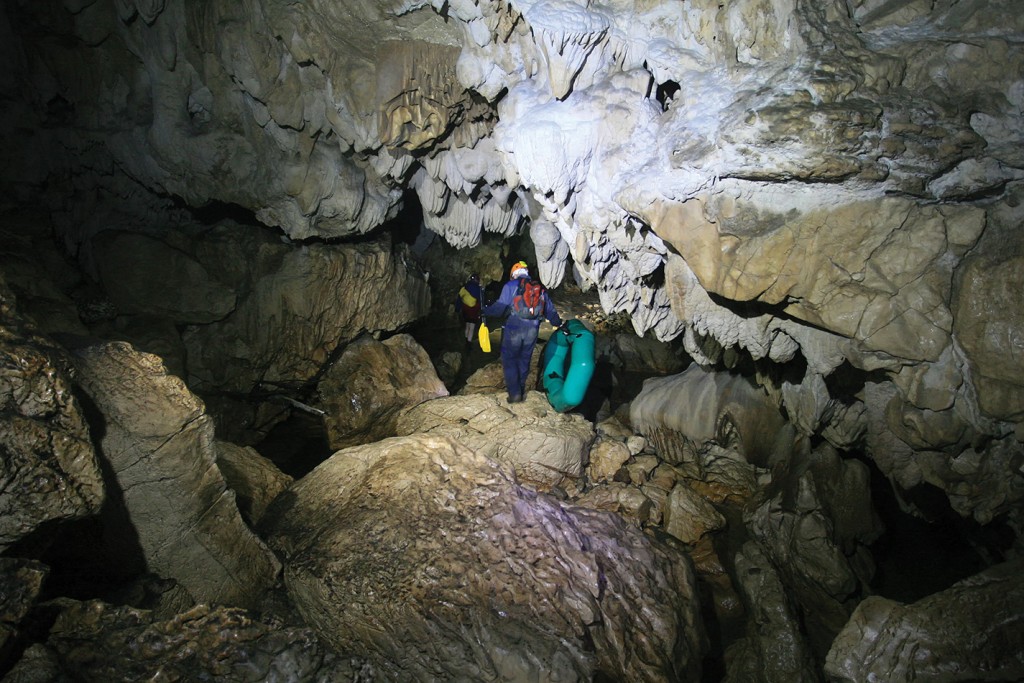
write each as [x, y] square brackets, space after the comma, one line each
[838, 181]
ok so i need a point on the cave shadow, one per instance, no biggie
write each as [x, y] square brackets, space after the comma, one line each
[95, 556]
[924, 553]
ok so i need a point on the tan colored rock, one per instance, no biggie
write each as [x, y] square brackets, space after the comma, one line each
[607, 456]
[546, 448]
[420, 100]
[490, 378]
[636, 444]
[689, 516]
[663, 475]
[293, 318]
[681, 413]
[49, 469]
[640, 469]
[364, 391]
[989, 319]
[255, 480]
[931, 386]
[103, 642]
[437, 563]
[159, 444]
[624, 499]
[726, 477]
[815, 262]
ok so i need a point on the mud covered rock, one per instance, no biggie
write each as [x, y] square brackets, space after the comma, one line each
[429, 558]
[96, 642]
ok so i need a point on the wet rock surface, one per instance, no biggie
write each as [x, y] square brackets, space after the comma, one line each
[93, 641]
[544, 447]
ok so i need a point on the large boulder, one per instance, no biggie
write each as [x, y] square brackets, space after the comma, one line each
[989, 318]
[255, 480]
[364, 391]
[159, 444]
[49, 470]
[815, 527]
[973, 631]
[681, 413]
[430, 559]
[144, 274]
[545, 448]
[773, 647]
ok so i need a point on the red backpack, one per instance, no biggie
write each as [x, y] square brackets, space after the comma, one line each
[528, 301]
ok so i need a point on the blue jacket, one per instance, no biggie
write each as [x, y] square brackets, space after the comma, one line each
[503, 306]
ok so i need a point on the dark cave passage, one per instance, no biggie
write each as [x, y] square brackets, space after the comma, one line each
[919, 555]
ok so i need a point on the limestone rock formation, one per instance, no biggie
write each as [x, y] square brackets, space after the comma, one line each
[972, 631]
[49, 468]
[544, 447]
[792, 181]
[681, 413]
[438, 565]
[815, 530]
[159, 444]
[607, 456]
[364, 390]
[821, 196]
[255, 480]
[298, 312]
[773, 648]
[688, 516]
[142, 274]
[93, 641]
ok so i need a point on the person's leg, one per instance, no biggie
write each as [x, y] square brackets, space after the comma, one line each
[513, 338]
[525, 354]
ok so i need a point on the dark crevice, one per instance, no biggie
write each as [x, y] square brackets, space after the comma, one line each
[665, 92]
[924, 553]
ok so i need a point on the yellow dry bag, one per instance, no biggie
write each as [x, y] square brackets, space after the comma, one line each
[485, 337]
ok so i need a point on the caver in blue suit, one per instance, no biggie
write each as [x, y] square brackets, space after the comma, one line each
[519, 335]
